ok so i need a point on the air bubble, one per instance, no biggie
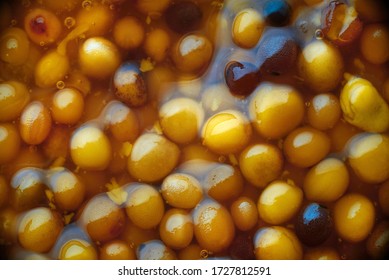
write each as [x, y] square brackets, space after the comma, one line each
[60, 85]
[204, 254]
[222, 159]
[319, 34]
[112, 7]
[14, 22]
[87, 4]
[42, 44]
[69, 22]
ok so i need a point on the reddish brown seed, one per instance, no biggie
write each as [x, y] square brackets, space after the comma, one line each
[241, 77]
[277, 52]
[340, 23]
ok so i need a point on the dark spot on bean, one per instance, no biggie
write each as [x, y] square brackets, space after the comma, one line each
[130, 86]
[38, 25]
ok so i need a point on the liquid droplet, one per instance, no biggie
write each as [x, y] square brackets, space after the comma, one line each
[69, 22]
[60, 85]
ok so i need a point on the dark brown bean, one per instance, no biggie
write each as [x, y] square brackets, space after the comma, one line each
[242, 248]
[277, 52]
[183, 17]
[241, 77]
[277, 12]
[314, 224]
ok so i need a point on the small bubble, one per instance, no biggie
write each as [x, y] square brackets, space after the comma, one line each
[319, 34]
[69, 22]
[112, 7]
[42, 44]
[86, 4]
[60, 85]
[222, 159]
[204, 254]
[14, 22]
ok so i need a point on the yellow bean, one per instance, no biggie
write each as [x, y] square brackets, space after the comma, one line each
[50, 69]
[363, 106]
